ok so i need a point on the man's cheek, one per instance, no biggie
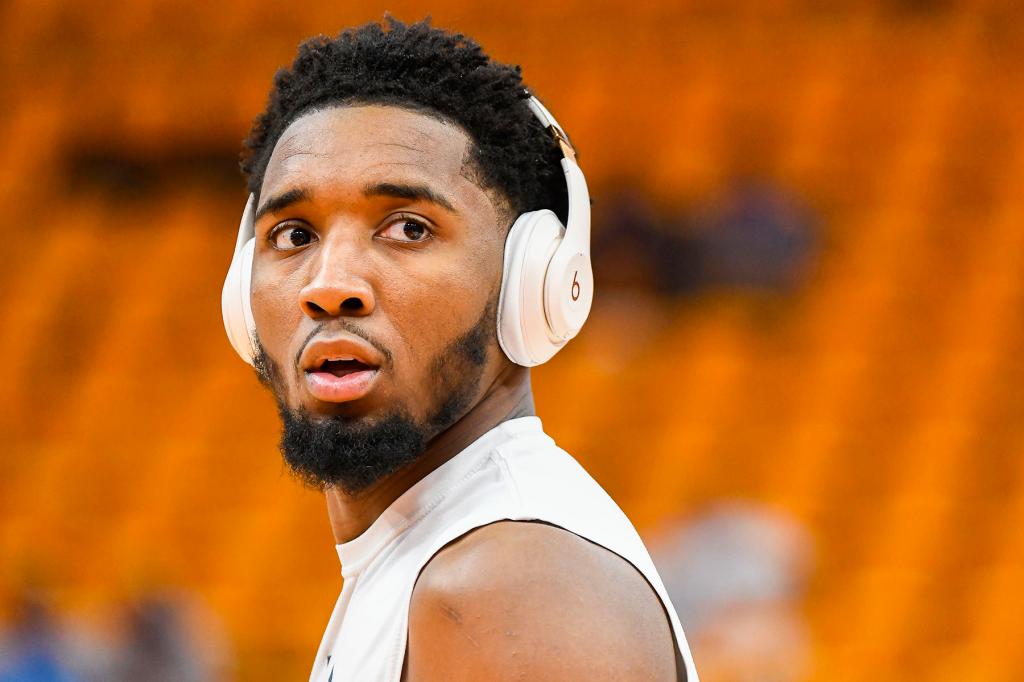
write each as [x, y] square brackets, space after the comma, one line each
[276, 322]
[414, 372]
[406, 377]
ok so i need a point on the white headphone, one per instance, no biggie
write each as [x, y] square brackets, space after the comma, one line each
[547, 283]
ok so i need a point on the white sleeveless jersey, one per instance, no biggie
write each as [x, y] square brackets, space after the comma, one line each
[512, 472]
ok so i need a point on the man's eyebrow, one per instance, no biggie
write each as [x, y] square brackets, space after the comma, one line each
[283, 200]
[404, 191]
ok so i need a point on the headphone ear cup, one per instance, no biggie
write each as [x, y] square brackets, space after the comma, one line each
[568, 293]
[235, 305]
[523, 331]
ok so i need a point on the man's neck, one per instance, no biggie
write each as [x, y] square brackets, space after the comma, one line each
[509, 396]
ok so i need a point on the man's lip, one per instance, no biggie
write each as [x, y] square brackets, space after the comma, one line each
[319, 351]
[329, 388]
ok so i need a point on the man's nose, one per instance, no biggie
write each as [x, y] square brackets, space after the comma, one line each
[339, 286]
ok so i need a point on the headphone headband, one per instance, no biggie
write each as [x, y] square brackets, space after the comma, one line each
[549, 122]
[577, 224]
[247, 228]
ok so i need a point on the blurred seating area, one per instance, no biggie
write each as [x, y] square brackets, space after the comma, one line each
[822, 317]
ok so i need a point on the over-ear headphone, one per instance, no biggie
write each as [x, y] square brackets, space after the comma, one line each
[547, 283]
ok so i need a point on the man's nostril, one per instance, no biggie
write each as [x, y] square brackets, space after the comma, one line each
[322, 306]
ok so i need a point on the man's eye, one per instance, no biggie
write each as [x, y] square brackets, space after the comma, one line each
[406, 230]
[288, 237]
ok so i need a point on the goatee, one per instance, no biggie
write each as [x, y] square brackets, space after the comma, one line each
[353, 455]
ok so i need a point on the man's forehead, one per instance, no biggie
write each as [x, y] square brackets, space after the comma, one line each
[371, 139]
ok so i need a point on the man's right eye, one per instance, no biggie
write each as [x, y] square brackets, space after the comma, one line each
[291, 237]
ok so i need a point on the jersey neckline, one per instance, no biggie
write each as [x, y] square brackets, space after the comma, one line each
[424, 495]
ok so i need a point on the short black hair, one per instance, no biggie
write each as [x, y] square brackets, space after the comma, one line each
[426, 69]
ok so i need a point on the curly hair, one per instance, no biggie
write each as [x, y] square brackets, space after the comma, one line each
[426, 69]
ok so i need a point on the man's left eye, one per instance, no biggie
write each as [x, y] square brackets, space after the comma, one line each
[406, 230]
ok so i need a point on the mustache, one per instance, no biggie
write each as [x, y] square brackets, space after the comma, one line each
[349, 327]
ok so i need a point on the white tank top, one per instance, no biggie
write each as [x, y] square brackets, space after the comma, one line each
[513, 472]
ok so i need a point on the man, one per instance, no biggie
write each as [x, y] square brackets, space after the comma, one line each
[395, 274]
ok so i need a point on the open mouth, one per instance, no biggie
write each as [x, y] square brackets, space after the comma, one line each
[340, 367]
[340, 379]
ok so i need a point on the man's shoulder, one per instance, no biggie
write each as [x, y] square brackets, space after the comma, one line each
[532, 599]
[510, 553]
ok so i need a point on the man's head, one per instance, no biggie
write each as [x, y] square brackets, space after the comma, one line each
[388, 167]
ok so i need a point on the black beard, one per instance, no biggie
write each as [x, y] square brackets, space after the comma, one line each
[338, 451]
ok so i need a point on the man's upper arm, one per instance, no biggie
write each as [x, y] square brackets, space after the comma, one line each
[525, 601]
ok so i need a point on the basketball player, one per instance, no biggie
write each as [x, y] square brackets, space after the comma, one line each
[401, 264]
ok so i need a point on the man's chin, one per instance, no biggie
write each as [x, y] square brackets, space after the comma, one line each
[348, 452]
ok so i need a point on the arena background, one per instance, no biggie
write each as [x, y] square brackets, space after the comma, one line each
[810, 266]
